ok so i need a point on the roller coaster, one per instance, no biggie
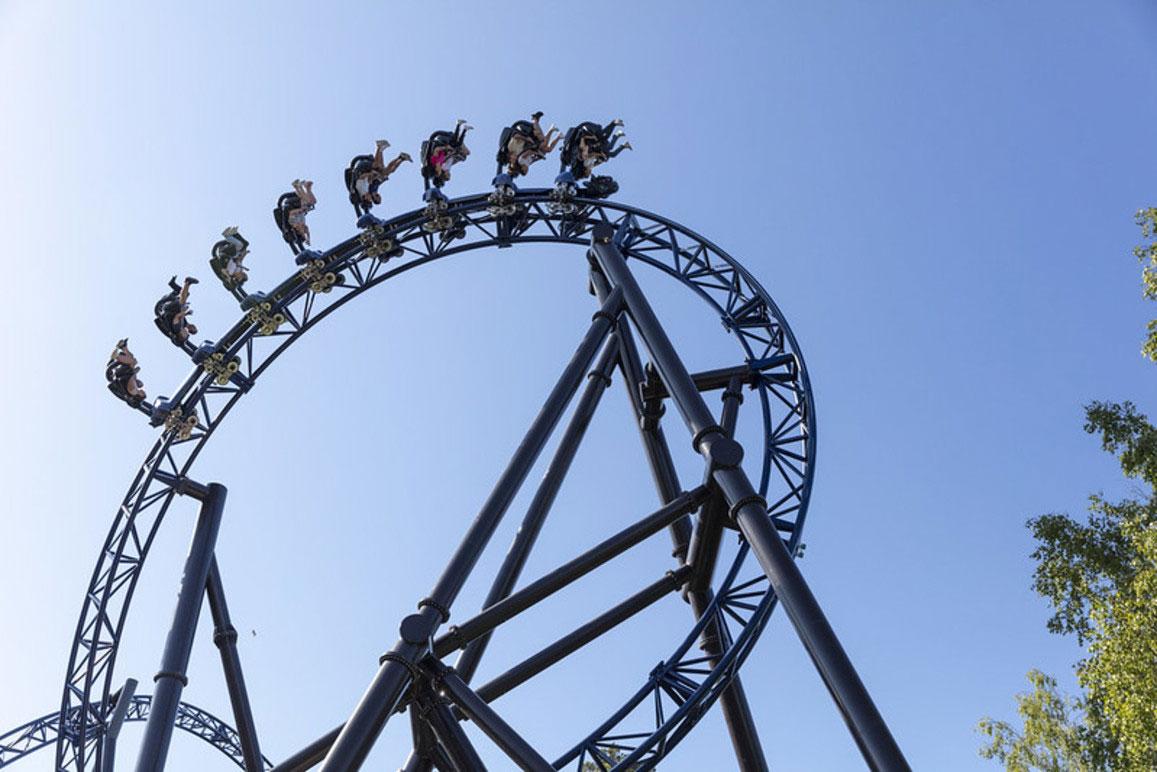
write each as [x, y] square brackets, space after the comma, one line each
[731, 595]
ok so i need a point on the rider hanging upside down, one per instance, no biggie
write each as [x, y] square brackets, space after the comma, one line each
[228, 258]
[441, 151]
[585, 147]
[306, 201]
[121, 373]
[524, 143]
[172, 312]
[291, 211]
[366, 174]
[588, 145]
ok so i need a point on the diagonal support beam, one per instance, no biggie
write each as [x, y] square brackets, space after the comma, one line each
[115, 722]
[225, 637]
[449, 732]
[311, 755]
[736, 711]
[705, 541]
[495, 727]
[597, 381]
[171, 678]
[566, 574]
[748, 510]
[427, 752]
[702, 557]
[395, 673]
[581, 636]
[648, 414]
[490, 618]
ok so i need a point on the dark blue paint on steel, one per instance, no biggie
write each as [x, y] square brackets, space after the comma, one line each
[42, 732]
[744, 307]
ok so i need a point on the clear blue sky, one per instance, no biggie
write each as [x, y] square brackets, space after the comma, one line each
[939, 196]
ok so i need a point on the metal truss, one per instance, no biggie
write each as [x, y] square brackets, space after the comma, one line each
[44, 731]
[729, 618]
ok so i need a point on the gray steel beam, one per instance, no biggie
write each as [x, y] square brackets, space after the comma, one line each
[115, 722]
[748, 510]
[175, 661]
[374, 709]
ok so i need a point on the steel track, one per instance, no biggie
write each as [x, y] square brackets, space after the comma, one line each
[683, 686]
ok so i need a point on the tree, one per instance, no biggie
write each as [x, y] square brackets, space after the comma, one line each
[1146, 253]
[1100, 577]
[614, 755]
[1054, 735]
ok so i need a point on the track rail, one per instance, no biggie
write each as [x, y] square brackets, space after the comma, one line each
[45, 731]
[683, 686]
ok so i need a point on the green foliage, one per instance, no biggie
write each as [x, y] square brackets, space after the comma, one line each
[1082, 567]
[1100, 576]
[1128, 435]
[1120, 675]
[1054, 737]
[1146, 253]
[615, 755]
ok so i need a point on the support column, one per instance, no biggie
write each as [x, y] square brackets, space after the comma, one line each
[566, 574]
[174, 663]
[428, 753]
[495, 727]
[749, 754]
[115, 722]
[581, 636]
[225, 637]
[395, 674]
[598, 380]
[703, 553]
[749, 512]
[450, 734]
